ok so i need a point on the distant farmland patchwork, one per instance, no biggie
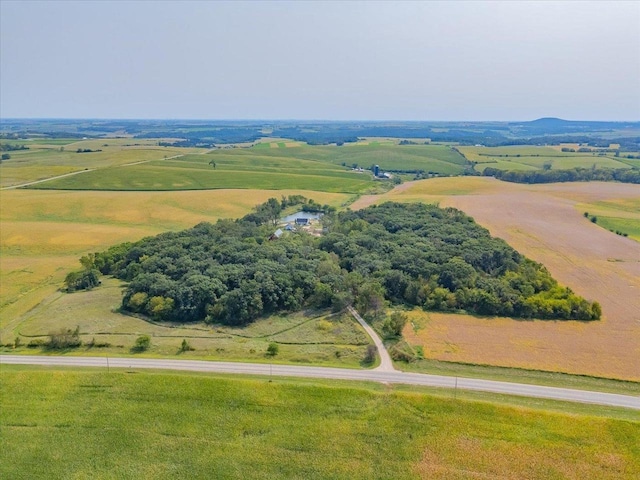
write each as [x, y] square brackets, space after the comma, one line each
[533, 158]
[320, 168]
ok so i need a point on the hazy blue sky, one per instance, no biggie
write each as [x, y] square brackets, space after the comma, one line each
[452, 60]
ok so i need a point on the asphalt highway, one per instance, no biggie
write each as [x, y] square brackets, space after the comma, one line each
[554, 393]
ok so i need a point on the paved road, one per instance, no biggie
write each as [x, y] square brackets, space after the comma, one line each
[519, 389]
[386, 365]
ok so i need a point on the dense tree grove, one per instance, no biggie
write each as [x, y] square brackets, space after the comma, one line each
[415, 254]
[630, 175]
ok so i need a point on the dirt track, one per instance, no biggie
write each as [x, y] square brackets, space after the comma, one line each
[542, 222]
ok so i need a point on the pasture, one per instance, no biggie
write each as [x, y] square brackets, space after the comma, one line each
[313, 337]
[88, 424]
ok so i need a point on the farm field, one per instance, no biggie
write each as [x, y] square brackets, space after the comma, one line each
[46, 160]
[44, 233]
[619, 214]
[122, 424]
[277, 166]
[174, 176]
[528, 157]
[544, 222]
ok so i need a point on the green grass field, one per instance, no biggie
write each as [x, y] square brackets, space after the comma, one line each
[161, 178]
[528, 157]
[46, 160]
[621, 215]
[321, 168]
[630, 226]
[303, 337]
[88, 424]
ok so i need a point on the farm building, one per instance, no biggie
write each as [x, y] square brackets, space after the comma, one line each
[277, 234]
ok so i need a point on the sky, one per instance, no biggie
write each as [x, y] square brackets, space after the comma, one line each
[448, 61]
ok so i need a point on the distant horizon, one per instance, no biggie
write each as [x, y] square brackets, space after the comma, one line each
[310, 120]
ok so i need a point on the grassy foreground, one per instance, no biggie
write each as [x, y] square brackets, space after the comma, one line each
[85, 424]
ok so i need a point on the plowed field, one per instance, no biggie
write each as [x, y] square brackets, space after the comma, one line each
[545, 223]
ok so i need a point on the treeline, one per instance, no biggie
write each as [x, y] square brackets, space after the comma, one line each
[207, 136]
[87, 150]
[439, 259]
[187, 143]
[318, 136]
[631, 175]
[8, 147]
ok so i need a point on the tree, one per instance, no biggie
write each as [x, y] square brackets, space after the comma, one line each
[6, 156]
[138, 302]
[370, 298]
[393, 326]
[273, 349]
[83, 280]
[160, 307]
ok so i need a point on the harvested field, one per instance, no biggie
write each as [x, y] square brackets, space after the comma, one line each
[544, 223]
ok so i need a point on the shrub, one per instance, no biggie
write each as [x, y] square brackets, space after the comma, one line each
[36, 343]
[186, 346]
[401, 355]
[94, 344]
[64, 339]
[370, 354]
[324, 325]
[419, 352]
[143, 342]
